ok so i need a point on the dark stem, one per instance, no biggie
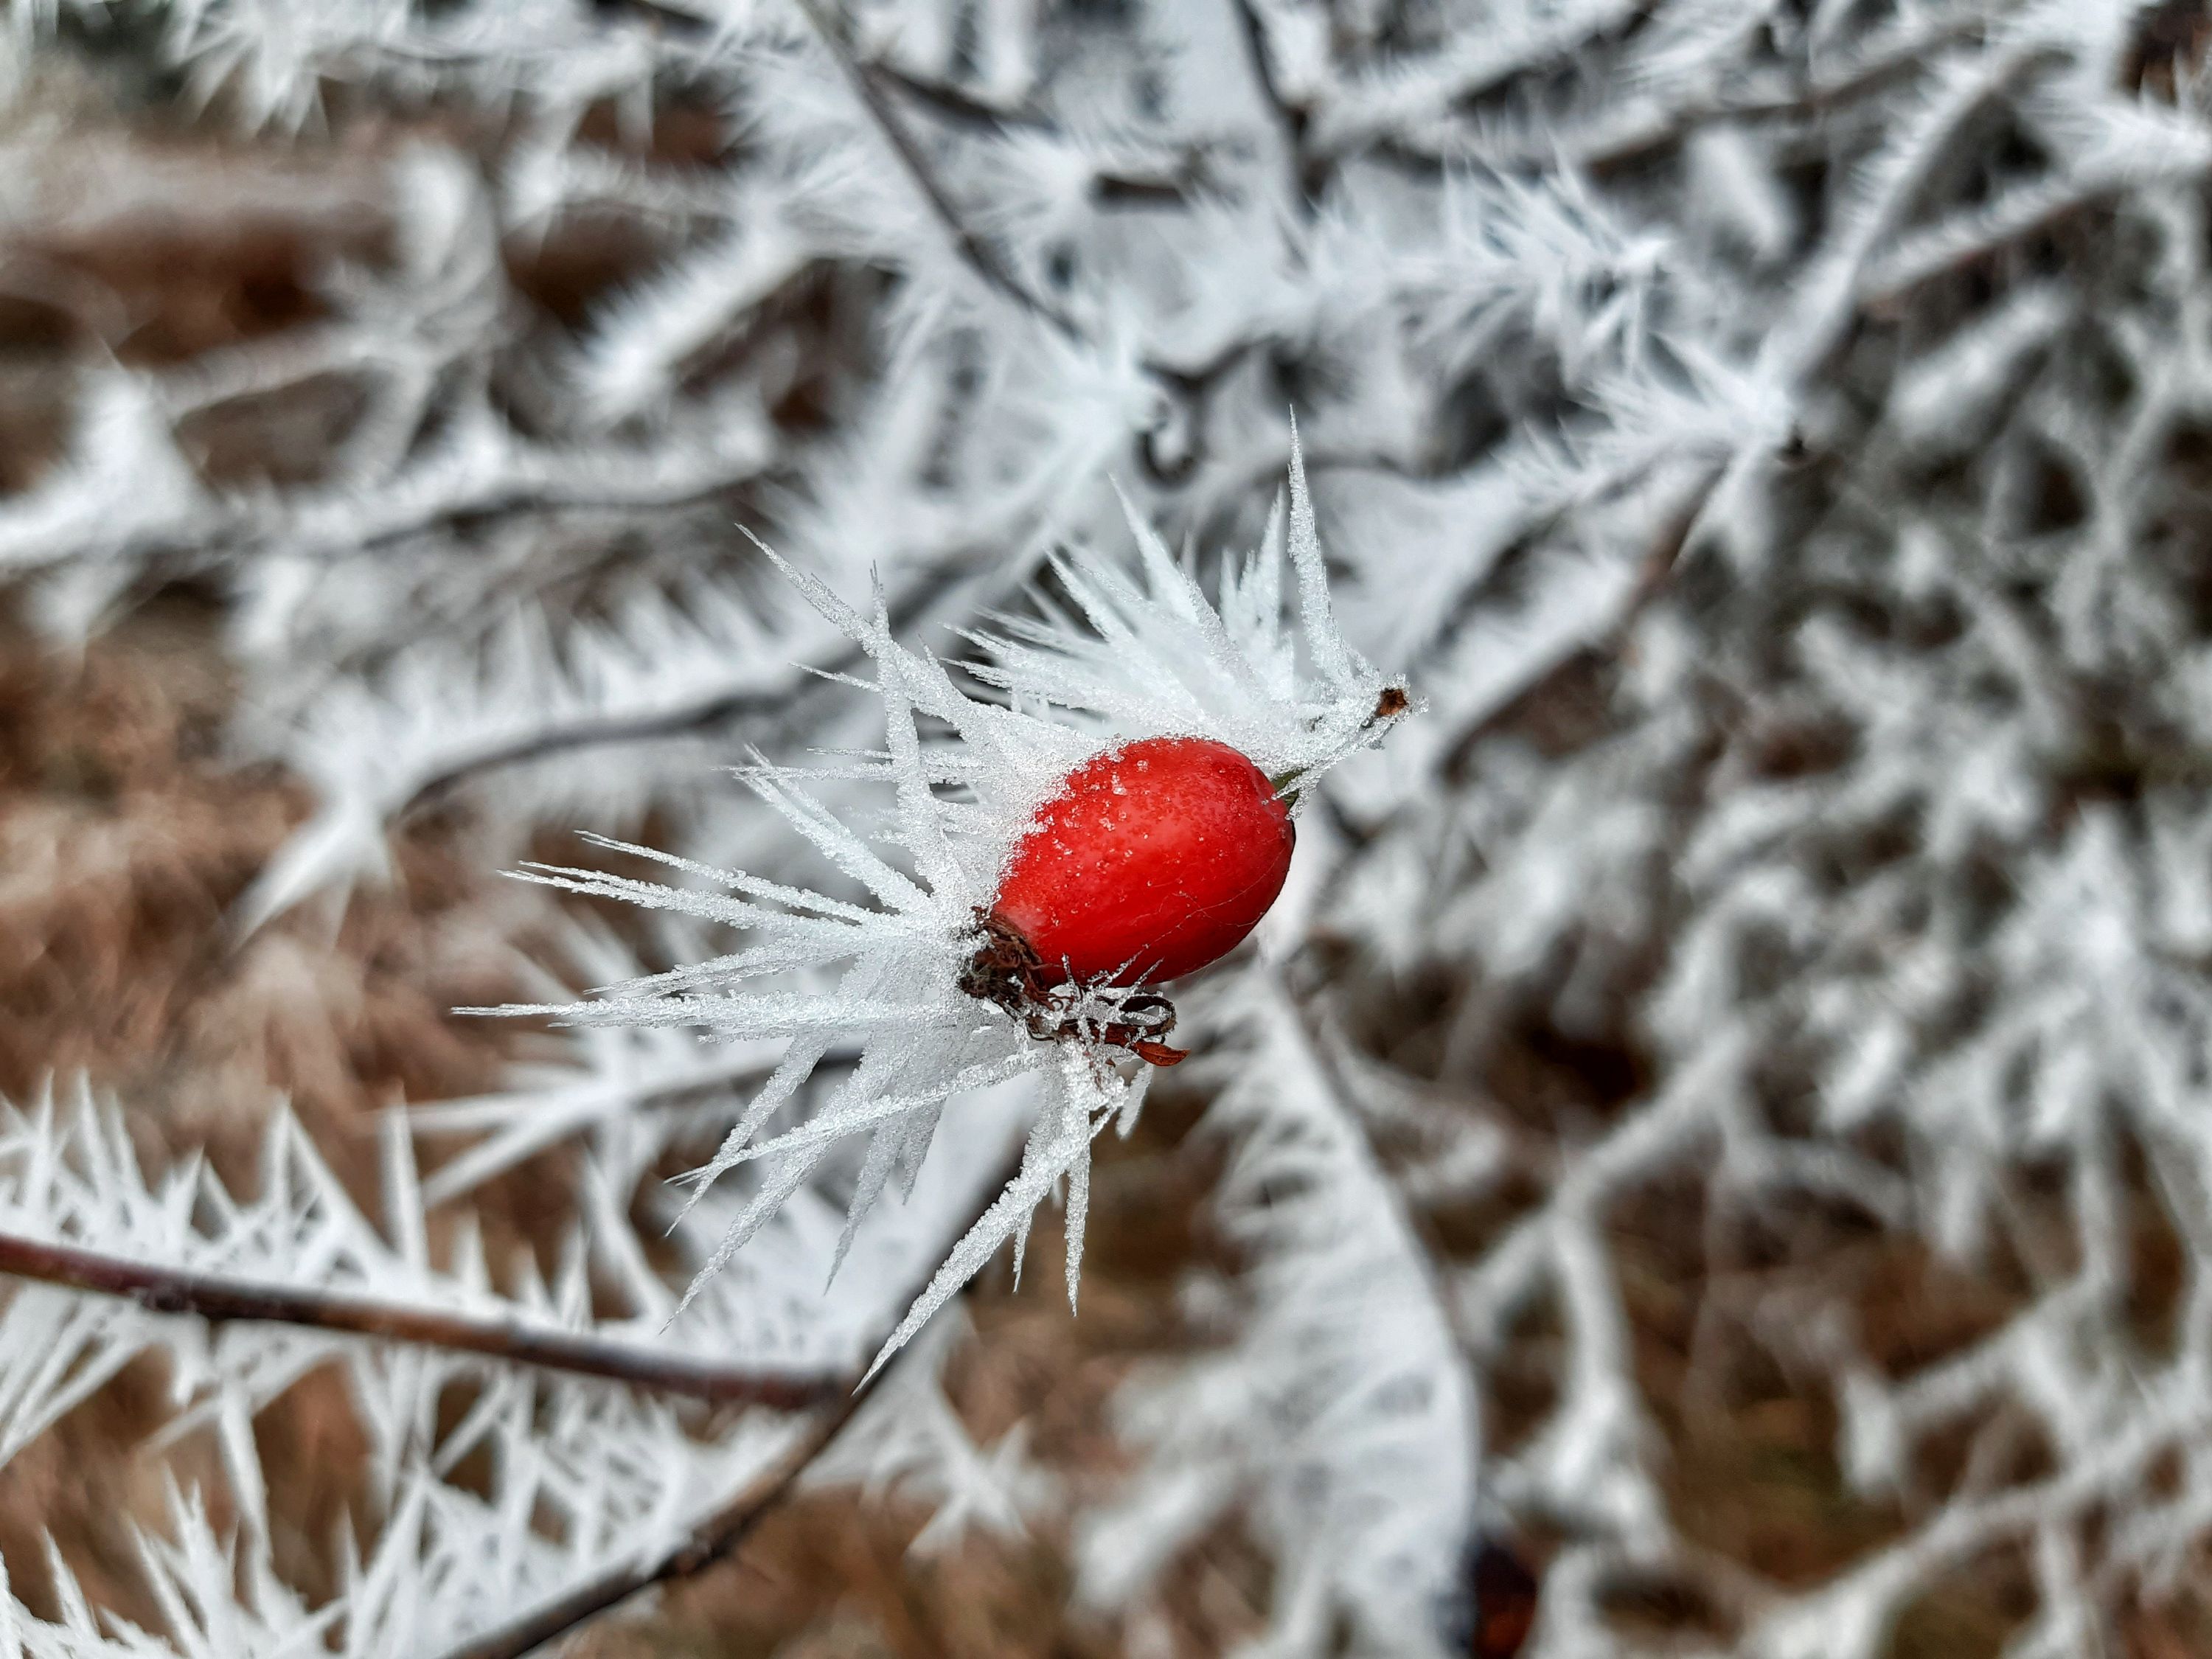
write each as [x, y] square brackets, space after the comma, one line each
[1769, 101]
[1651, 579]
[710, 1541]
[1291, 120]
[956, 105]
[989, 265]
[207, 1295]
[981, 256]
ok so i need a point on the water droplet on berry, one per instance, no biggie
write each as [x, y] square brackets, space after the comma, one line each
[1158, 883]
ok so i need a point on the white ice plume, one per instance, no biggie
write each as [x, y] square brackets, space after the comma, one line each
[1137, 656]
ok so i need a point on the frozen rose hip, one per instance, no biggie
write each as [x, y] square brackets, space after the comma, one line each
[1153, 860]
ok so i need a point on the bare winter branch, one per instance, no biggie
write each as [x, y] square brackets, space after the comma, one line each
[217, 1299]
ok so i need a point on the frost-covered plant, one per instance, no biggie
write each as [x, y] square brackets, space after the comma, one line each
[600, 1470]
[1767, 435]
[1135, 657]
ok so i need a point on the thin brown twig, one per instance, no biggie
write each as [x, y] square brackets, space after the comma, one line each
[710, 1541]
[211, 1296]
[1897, 279]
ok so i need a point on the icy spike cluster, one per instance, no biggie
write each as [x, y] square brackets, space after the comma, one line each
[624, 1471]
[1141, 656]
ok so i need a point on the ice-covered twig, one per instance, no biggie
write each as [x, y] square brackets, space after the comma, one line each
[160, 1288]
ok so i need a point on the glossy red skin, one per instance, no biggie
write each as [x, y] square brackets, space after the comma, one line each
[1155, 859]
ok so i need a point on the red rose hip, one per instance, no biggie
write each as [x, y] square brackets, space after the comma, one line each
[1153, 860]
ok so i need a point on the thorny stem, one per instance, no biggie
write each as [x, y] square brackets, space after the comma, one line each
[215, 1298]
